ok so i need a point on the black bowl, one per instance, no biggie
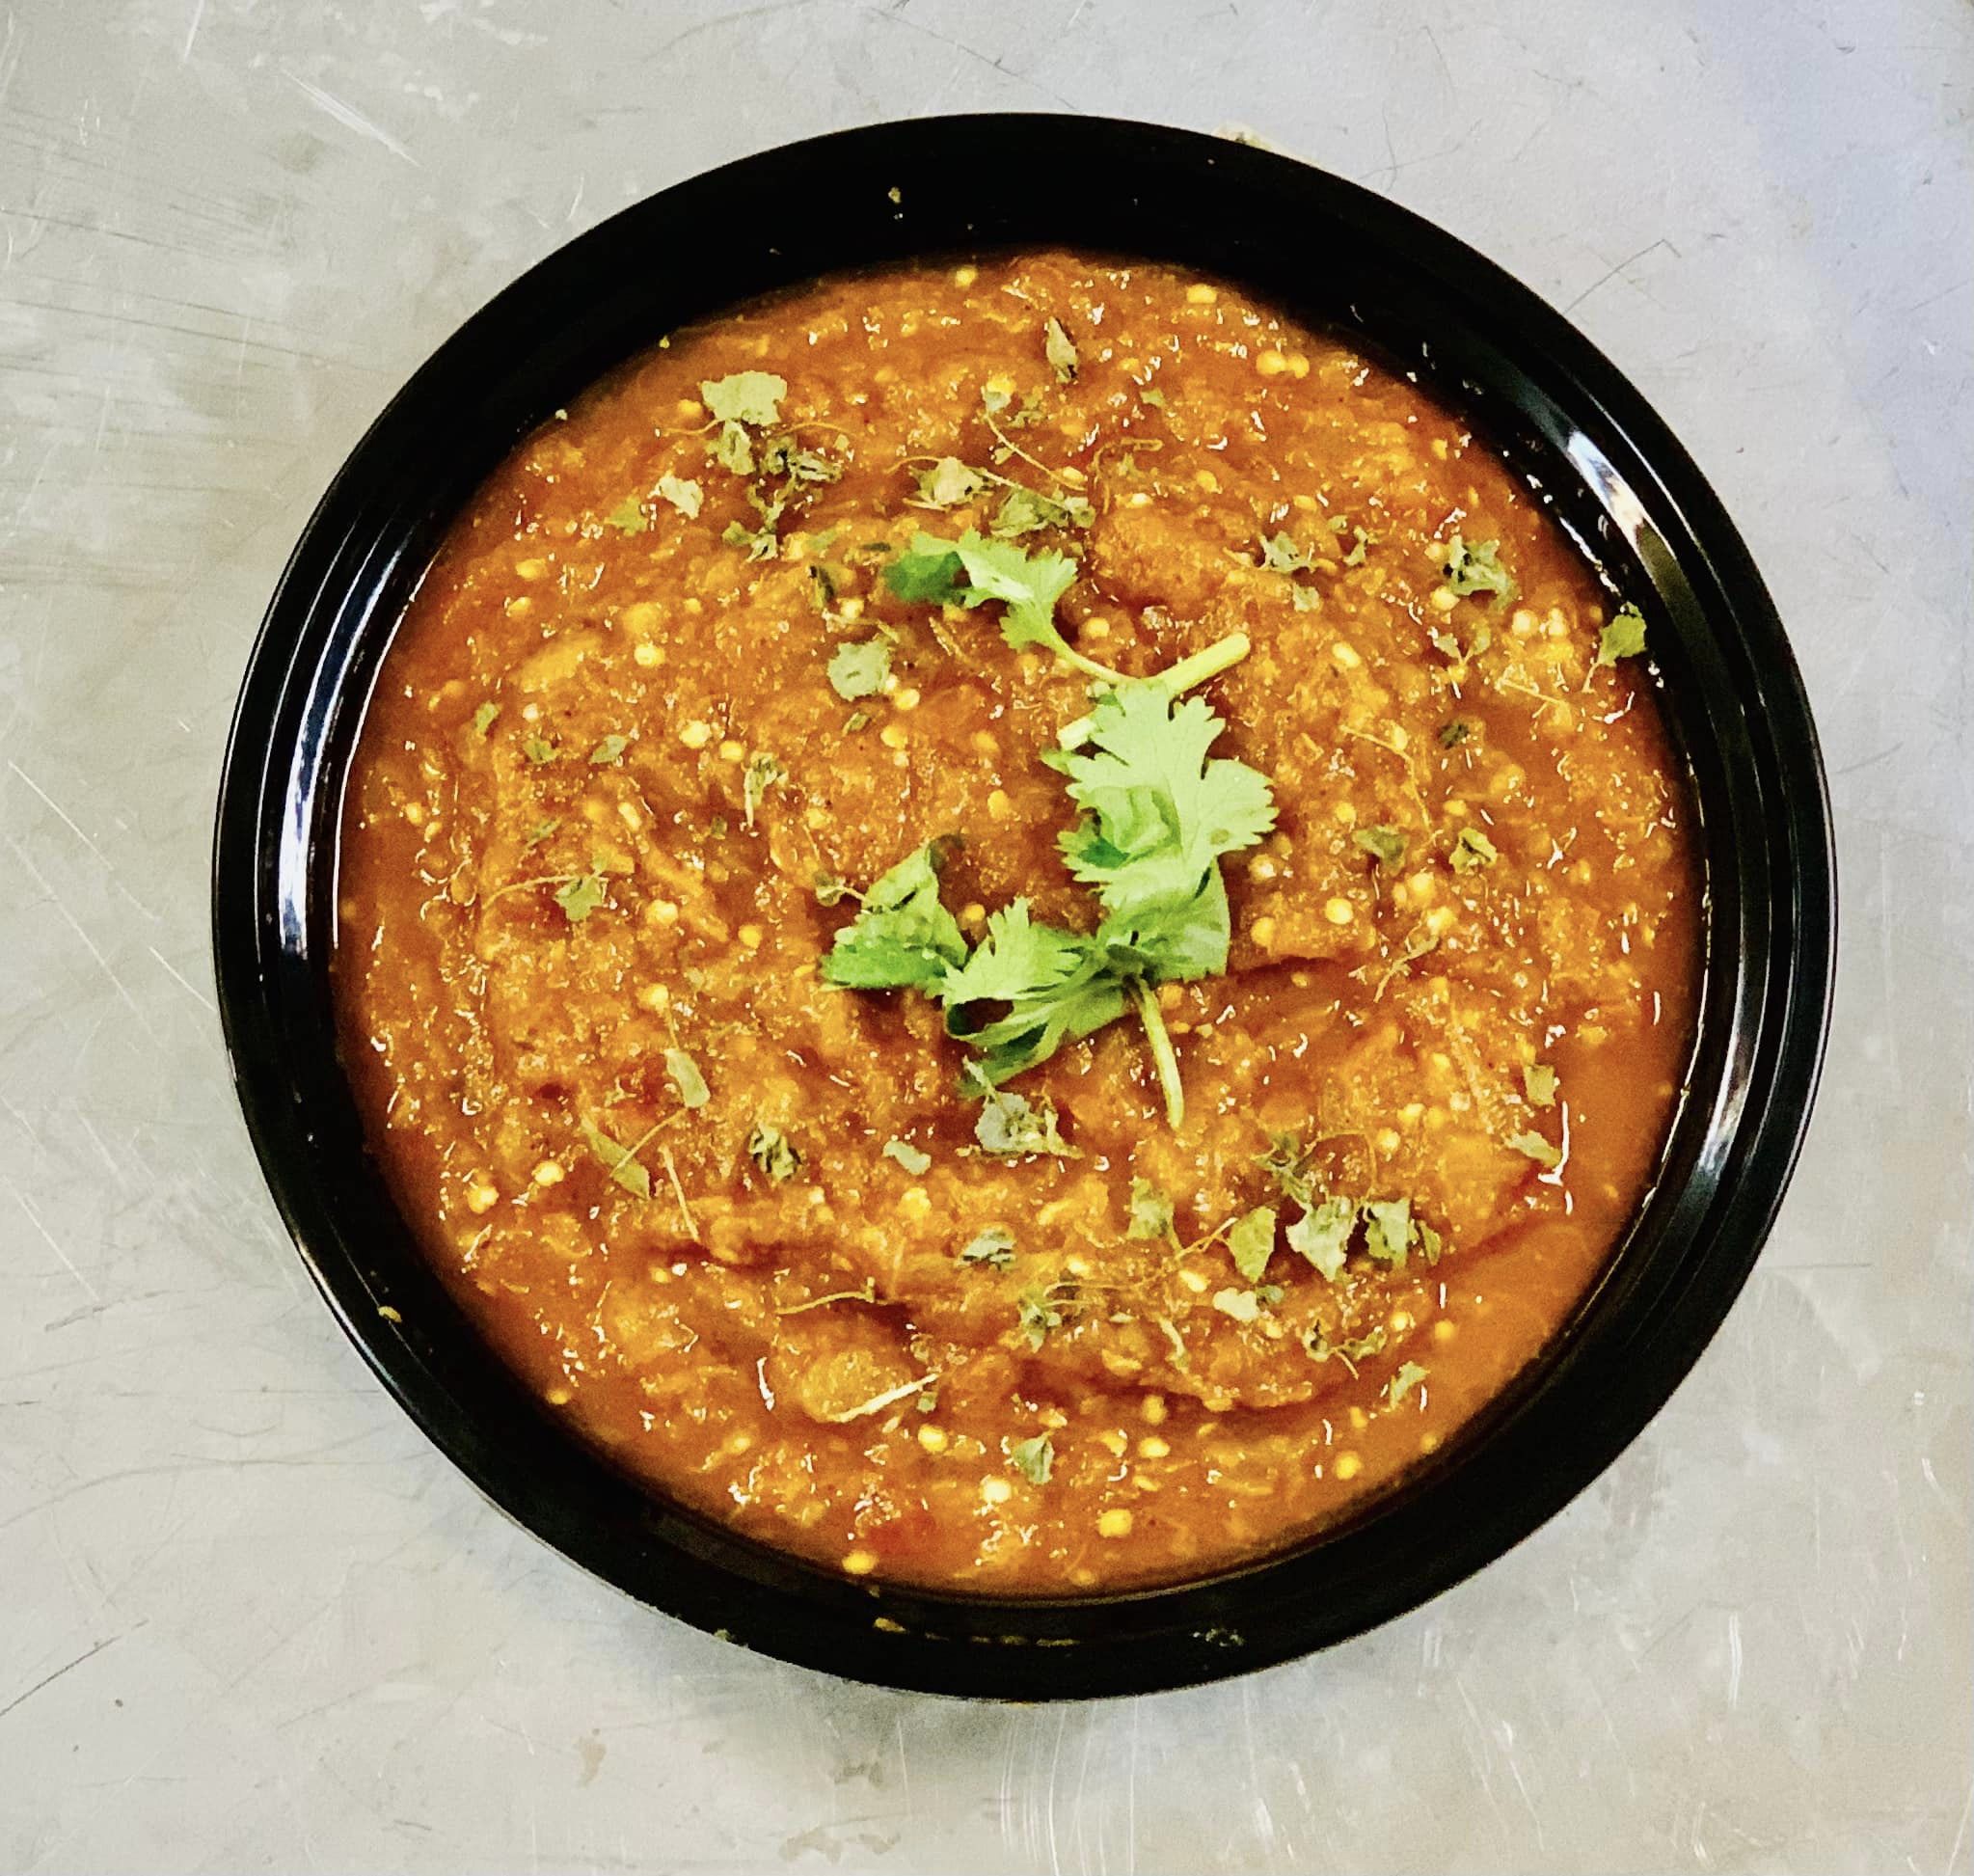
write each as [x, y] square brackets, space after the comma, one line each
[1340, 258]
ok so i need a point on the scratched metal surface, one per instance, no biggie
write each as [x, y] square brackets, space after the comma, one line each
[248, 1621]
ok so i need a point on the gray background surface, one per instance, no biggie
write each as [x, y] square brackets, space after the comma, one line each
[248, 1621]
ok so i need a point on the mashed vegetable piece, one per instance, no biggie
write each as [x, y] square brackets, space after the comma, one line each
[1016, 926]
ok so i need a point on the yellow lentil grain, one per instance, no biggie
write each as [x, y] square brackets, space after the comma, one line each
[1270, 363]
[1339, 910]
[1152, 1409]
[894, 736]
[550, 1173]
[859, 1563]
[1152, 1446]
[999, 805]
[751, 935]
[996, 1491]
[1262, 932]
[482, 1198]
[1114, 1524]
[1348, 1465]
[1201, 294]
[932, 1438]
[696, 735]
[964, 277]
[732, 752]
[1443, 1330]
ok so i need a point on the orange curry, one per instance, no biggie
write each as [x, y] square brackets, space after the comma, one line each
[1016, 926]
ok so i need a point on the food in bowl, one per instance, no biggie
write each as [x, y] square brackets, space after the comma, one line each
[1016, 926]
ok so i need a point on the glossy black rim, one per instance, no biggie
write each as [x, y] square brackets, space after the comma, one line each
[1356, 264]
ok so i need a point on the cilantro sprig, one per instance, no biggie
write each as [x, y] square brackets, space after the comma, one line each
[1159, 813]
[973, 570]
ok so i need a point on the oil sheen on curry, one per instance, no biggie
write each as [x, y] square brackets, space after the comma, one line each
[1017, 927]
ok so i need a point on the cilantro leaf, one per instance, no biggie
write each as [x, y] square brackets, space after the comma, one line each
[1158, 814]
[1060, 351]
[1010, 1126]
[538, 749]
[1454, 733]
[914, 1159]
[773, 1151]
[1472, 851]
[974, 569]
[1477, 569]
[628, 516]
[1025, 509]
[1151, 1214]
[1243, 1305]
[994, 1247]
[483, 718]
[610, 749]
[1623, 638]
[858, 670]
[1538, 1083]
[1033, 1458]
[903, 935]
[1037, 1315]
[734, 448]
[949, 482]
[1016, 959]
[1322, 1235]
[684, 496]
[618, 1160]
[686, 1081]
[1385, 845]
[1537, 1149]
[929, 574]
[1389, 1230]
[1408, 1377]
[1287, 1163]
[1319, 1346]
[1280, 554]
[581, 896]
[745, 397]
[1250, 1244]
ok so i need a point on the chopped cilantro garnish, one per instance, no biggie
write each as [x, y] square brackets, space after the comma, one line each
[1537, 1149]
[483, 718]
[685, 1079]
[761, 543]
[1454, 733]
[762, 772]
[1358, 554]
[1319, 1346]
[610, 749]
[1389, 1230]
[1025, 509]
[903, 935]
[1477, 569]
[949, 482]
[1243, 1305]
[581, 896]
[618, 1160]
[1623, 638]
[1280, 554]
[1408, 1377]
[745, 397]
[1033, 1458]
[1148, 396]
[540, 831]
[771, 1149]
[973, 570]
[914, 1159]
[1251, 1242]
[1322, 1235]
[628, 516]
[1472, 851]
[1010, 1125]
[1287, 1163]
[1152, 1212]
[1385, 845]
[858, 670]
[1538, 1083]
[1060, 351]
[1037, 1315]
[538, 749]
[684, 496]
[994, 1247]
[734, 448]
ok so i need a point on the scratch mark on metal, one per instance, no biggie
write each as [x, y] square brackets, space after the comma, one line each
[349, 116]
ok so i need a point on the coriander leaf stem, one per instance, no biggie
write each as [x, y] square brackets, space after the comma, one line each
[1174, 681]
[1163, 1056]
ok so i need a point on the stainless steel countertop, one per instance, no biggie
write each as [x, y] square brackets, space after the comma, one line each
[249, 1620]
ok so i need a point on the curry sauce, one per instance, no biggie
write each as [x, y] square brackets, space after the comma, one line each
[836, 604]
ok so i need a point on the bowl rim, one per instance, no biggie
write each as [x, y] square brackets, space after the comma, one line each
[1504, 357]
